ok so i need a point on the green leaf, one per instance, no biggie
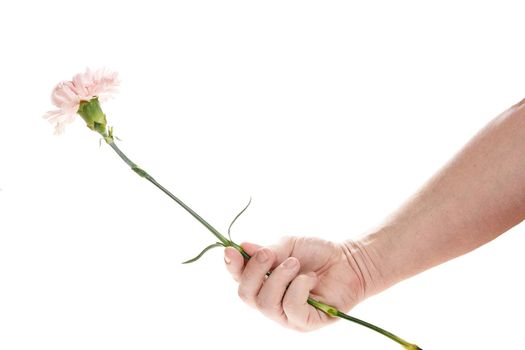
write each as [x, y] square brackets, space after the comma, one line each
[211, 246]
[242, 211]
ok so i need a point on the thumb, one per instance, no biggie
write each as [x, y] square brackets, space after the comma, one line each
[250, 248]
[281, 250]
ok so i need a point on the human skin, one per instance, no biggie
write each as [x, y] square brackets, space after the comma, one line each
[475, 197]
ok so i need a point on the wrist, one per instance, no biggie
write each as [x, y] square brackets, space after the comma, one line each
[363, 260]
[393, 257]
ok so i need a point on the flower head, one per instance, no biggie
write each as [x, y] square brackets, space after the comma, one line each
[69, 96]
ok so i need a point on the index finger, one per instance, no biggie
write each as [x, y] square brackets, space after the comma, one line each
[235, 261]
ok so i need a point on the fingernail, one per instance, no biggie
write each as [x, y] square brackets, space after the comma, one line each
[262, 256]
[227, 260]
[290, 263]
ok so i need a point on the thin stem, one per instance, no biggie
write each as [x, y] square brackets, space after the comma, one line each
[330, 310]
[122, 155]
[188, 209]
[150, 178]
[392, 336]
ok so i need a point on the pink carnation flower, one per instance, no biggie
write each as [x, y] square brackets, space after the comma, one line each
[67, 95]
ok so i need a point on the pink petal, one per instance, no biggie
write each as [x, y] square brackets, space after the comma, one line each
[67, 95]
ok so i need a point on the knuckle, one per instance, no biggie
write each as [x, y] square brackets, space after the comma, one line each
[267, 307]
[288, 305]
[260, 303]
[264, 258]
[301, 279]
[236, 270]
[243, 295]
[287, 239]
[236, 277]
[300, 328]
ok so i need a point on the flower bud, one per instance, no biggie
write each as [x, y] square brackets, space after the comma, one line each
[92, 114]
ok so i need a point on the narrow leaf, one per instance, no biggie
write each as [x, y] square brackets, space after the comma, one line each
[214, 245]
[242, 211]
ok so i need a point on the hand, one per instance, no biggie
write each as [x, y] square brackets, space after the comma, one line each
[301, 267]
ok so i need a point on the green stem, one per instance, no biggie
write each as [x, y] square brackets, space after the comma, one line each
[336, 313]
[330, 310]
[141, 172]
[394, 337]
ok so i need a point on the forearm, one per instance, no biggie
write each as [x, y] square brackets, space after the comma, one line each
[474, 198]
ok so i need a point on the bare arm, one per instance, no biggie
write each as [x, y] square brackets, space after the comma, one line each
[476, 197]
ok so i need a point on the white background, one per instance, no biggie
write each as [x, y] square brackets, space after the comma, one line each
[329, 114]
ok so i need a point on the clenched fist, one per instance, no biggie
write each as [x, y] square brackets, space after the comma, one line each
[300, 267]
